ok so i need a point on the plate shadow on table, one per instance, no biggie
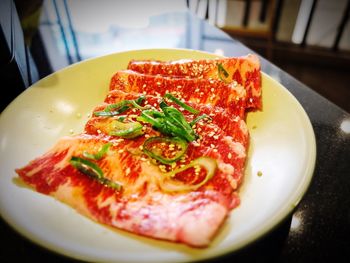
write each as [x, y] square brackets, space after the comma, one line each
[266, 249]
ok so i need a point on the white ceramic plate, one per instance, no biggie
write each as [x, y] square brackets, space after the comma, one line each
[282, 147]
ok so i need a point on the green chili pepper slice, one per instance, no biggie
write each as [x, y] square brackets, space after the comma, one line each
[97, 156]
[94, 171]
[164, 149]
[168, 184]
[127, 130]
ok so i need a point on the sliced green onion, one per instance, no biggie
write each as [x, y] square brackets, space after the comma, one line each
[94, 171]
[180, 103]
[121, 118]
[97, 156]
[155, 147]
[151, 116]
[197, 119]
[120, 107]
[128, 130]
[140, 99]
[177, 119]
[169, 122]
[222, 73]
[108, 111]
[168, 184]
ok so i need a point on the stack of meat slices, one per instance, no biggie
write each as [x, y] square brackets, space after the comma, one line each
[165, 153]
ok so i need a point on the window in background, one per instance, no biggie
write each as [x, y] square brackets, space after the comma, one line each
[78, 30]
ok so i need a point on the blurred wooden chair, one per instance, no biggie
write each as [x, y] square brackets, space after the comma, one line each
[253, 19]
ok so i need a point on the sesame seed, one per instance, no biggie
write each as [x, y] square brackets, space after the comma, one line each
[229, 155]
[121, 151]
[216, 137]
[127, 171]
[162, 167]
[197, 168]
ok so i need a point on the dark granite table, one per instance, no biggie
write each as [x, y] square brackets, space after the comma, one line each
[324, 232]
